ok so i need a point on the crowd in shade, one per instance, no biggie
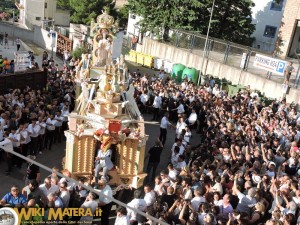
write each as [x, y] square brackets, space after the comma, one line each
[241, 169]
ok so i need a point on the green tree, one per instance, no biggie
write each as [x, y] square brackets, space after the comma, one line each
[83, 11]
[160, 15]
[232, 21]
[122, 16]
[231, 18]
[63, 4]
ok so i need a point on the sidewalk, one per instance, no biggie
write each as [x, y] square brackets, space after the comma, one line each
[25, 47]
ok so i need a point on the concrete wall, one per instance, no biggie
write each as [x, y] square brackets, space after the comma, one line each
[263, 16]
[24, 34]
[34, 9]
[38, 35]
[62, 18]
[270, 88]
[132, 27]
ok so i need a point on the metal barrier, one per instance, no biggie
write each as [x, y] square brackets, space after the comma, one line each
[219, 50]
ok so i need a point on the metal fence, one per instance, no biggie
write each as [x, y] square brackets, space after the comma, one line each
[222, 51]
[219, 50]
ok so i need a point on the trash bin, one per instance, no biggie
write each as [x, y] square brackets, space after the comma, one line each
[132, 56]
[232, 90]
[191, 74]
[224, 85]
[168, 65]
[140, 58]
[149, 61]
[158, 63]
[241, 87]
[177, 70]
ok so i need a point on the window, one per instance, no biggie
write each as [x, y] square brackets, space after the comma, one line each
[270, 31]
[46, 5]
[277, 5]
[37, 18]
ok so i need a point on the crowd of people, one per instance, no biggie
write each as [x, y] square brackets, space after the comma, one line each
[241, 169]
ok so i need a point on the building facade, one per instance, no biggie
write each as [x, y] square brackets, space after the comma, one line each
[42, 13]
[290, 30]
[267, 16]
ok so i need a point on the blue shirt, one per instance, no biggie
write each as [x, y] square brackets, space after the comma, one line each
[10, 199]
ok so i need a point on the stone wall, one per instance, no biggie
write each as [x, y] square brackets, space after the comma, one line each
[270, 88]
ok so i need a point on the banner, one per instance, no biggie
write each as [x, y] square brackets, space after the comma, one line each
[269, 64]
[21, 61]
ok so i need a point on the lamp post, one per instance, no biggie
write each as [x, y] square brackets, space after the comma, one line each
[206, 40]
[13, 41]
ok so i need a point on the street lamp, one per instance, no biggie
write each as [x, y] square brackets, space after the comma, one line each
[13, 42]
[206, 40]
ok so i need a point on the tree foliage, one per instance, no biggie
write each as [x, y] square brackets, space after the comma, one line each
[231, 18]
[63, 4]
[160, 15]
[83, 11]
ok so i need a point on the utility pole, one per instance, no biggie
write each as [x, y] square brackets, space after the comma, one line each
[13, 36]
[206, 40]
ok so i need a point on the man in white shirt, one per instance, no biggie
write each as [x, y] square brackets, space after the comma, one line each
[25, 138]
[180, 126]
[103, 161]
[172, 172]
[16, 141]
[163, 128]
[65, 113]
[180, 108]
[64, 194]
[179, 144]
[122, 218]
[144, 97]
[191, 121]
[137, 203]
[92, 204]
[48, 188]
[1, 134]
[34, 131]
[198, 199]
[104, 202]
[156, 106]
[42, 134]
[3, 122]
[50, 131]
[180, 163]
[149, 195]
[58, 127]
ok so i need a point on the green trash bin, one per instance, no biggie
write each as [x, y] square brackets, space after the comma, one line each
[177, 70]
[232, 90]
[241, 87]
[268, 101]
[224, 85]
[191, 74]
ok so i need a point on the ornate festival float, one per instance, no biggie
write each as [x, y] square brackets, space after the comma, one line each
[107, 116]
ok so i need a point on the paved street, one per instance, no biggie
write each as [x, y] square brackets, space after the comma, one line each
[54, 157]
